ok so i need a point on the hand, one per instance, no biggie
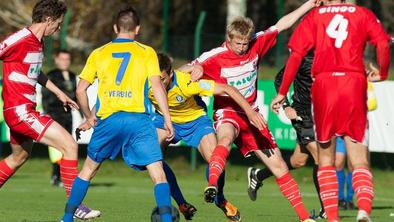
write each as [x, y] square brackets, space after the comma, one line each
[315, 3]
[256, 119]
[291, 113]
[373, 73]
[196, 72]
[67, 102]
[277, 102]
[89, 123]
[169, 129]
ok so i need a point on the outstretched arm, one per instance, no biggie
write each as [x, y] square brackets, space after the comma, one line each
[45, 82]
[288, 20]
[254, 117]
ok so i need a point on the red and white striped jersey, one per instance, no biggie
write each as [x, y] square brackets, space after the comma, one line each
[241, 71]
[22, 54]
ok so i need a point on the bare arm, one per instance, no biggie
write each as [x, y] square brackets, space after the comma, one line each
[254, 117]
[82, 97]
[288, 20]
[161, 98]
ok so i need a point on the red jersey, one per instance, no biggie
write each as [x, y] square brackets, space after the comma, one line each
[22, 57]
[338, 33]
[241, 71]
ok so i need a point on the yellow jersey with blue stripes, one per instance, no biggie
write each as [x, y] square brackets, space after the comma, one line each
[184, 101]
[122, 68]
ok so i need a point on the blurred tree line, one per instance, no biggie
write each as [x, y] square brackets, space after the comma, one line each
[91, 23]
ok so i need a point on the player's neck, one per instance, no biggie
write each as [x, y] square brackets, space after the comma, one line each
[126, 35]
[38, 29]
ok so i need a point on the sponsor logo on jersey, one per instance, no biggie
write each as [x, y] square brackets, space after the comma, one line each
[179, 98]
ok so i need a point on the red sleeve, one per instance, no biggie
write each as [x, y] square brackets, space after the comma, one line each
[380, 39]
[374, 29]
[303, 37]
[4, 50]
[292, 65]
[265, 40]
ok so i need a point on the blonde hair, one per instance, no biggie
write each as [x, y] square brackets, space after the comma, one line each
[242, 27]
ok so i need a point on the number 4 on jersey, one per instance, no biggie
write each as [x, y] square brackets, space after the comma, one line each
[337, 29]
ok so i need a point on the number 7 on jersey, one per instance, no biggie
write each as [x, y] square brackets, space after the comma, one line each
[125, 56]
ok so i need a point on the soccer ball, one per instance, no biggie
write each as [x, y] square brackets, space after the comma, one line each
[155, 216]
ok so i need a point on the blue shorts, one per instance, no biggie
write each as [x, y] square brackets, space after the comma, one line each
[134, 133]
[340, 146]
[191, 132]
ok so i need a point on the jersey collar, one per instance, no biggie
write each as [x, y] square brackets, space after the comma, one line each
[121, 40]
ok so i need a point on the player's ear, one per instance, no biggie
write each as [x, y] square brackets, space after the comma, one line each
[115, 28]
[137, 29]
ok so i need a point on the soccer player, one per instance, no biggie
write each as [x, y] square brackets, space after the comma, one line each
[22, 55]
[300, 114]
[236, 63]
[123, 68]
[191, 123]
[338, 33]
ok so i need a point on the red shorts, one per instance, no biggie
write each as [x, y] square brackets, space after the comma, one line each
[340, 106]
[249, 137]
[26, 123]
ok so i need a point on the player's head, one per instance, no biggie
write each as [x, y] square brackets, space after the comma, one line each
[239, 33]
[127, 21]
[50, 13]
[165, 63]
[63, 59]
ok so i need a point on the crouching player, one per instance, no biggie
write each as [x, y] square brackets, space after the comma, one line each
[191, 123]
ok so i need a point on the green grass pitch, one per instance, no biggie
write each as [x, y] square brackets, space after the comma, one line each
[126, 195]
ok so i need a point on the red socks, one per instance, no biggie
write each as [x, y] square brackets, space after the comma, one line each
[328, 183]
[289, 188]
[68, 172]
[5, 172]
[363, 187]
[217, 163]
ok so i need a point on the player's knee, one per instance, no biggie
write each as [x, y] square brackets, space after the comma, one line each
[299, 163]
[225, 141]
[70, 149]
[159, 178]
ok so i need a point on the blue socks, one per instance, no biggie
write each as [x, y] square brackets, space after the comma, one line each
[349, 187]
[78, 193]
[174, 187]
[163, 201]
[221, 181]
[341, 184]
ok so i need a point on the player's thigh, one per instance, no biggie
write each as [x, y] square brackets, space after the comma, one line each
[272, 158]
[226, 134]
[357, 153]
[326, 153]
[298, 158]
[57, 137]
[156, 172]
[207, 145]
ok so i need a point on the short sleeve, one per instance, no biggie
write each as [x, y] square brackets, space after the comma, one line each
[303, 39]
[202, 87]
[89, 72]
[375, 30]
[152, 63]
[265, 40]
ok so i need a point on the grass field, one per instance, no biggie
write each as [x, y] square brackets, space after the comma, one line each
[125, 195]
